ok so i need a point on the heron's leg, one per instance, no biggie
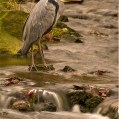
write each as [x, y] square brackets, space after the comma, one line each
[41, 53]
[33, 63]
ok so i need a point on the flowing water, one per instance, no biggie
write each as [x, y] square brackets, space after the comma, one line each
[54, 95]
[96, 53]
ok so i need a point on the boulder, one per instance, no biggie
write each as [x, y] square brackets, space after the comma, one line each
[68, 69]
[22, 105]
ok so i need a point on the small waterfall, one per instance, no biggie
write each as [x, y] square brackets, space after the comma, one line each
[43, 95]
[53, 97]
[109, 107]
[2, 100]
[76, 109]
[9, 95]
[7, 102]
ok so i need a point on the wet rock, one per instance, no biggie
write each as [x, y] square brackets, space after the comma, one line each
[47, 106]
[22, 1]
[61, 25]
[68, 69]
[117, 86]
[88, 88]
[86, 100]
[4, 113]
[93, 102]
[104, 92]
[116, 17]
[78, 41]
[99, 72]
[100, 92]
[63, 18]
[79, 87]
[43, 68]
[70, 38]
[95, 92]
[22, 105]
[79, 96]
[56, 39]
[97, 33]
[12, 80]
[87, 97]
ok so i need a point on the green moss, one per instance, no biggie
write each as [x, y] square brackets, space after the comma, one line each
[60, 29]
[92, 103]
[8, 43]
[79, 97]
[13, 22]
[57, 32]
[3, 14]
[86, 100]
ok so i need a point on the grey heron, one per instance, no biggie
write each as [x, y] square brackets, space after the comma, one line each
[40, 22]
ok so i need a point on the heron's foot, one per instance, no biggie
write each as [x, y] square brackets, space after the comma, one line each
[49, 67]
[33, 67]
[45, 67]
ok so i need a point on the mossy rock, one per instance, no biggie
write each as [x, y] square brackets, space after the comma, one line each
[43, 68]
[67, 34]
[13, 22]
[93, 102]
[9, 44]
[86, 100]
[61, 25]
[79, 97]
[22, 105]
[68, 69]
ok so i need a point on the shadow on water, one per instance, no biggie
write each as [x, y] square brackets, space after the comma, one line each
[18, 61]
[13, 61]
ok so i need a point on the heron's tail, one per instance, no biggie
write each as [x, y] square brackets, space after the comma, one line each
[24, 49]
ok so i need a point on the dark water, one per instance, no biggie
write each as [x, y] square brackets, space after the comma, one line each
[10, 61]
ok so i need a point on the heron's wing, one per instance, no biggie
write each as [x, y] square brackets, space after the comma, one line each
[40, 19]
[25, 23]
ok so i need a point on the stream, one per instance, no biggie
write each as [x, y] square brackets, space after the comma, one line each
[96, 53]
